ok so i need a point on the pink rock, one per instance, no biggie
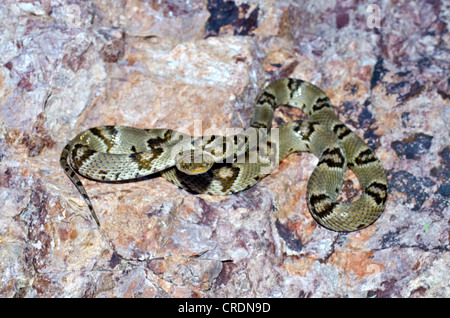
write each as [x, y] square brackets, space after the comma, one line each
[174, 64]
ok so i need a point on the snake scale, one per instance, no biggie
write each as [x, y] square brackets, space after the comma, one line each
[220, 165]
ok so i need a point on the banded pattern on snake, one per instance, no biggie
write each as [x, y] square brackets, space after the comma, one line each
[222, 166]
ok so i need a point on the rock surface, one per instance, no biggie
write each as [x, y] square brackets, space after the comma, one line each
[66, 66]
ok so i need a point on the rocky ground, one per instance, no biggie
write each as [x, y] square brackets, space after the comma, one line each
[66, 66]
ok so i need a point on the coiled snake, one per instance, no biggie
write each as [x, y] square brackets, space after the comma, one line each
[220, 165]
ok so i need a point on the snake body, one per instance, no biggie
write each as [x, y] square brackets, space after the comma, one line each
[220, 165]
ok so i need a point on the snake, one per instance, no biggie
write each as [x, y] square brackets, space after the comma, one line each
[225, 165]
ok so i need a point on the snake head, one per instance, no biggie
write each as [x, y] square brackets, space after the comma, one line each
[194, 162]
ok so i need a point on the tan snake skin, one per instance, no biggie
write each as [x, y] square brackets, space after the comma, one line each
[220, 166]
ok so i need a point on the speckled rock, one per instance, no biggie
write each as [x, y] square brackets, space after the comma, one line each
[197, 66]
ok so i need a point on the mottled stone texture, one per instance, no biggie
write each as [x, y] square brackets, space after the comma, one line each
[69, 65]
